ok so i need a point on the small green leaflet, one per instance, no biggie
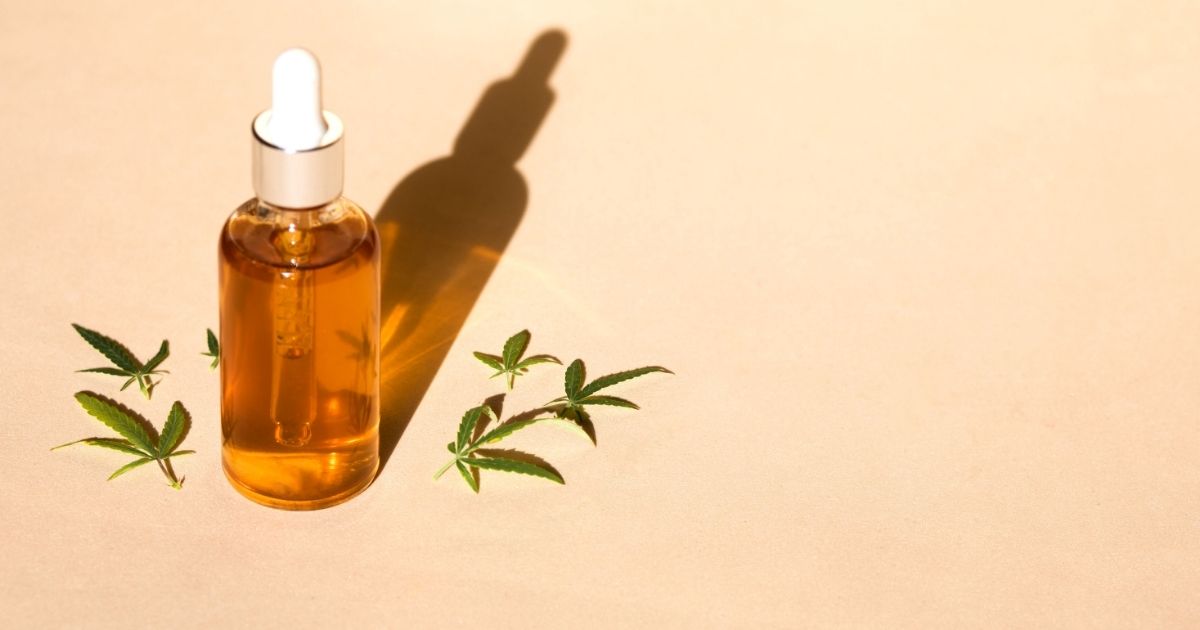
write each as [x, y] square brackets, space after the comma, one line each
[509, 460]
[468, 458]
[126, 365]
[138, 437]
[116, 444]
[130, 466]
[573, 406]
[467, 475]
[573, 379]
[214, 350]
[619, 377]
[509, 361]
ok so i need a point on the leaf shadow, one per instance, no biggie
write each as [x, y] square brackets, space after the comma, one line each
[530, 414]
[474, 472]
[496, 404]
[360, 345]
[577, 416]
[583, 420]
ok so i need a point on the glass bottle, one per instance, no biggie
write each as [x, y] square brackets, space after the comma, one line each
[299, 302]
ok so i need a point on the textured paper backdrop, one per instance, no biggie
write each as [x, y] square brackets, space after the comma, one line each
[927, 275]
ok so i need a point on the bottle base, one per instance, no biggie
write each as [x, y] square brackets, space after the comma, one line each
[300, 505]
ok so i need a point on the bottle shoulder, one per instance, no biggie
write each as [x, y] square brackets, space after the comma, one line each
[298, 239]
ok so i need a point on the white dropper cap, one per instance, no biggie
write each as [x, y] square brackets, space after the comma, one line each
[296, 121]
[297, 150]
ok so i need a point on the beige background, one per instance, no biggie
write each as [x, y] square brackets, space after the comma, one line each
[927, 275]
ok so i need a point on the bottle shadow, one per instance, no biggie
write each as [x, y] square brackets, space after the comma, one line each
[444, 228]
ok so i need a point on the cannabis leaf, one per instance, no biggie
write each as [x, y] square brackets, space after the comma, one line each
[573, 406]
[138, 437]
[570, 410]
[214, 350]
[126, 364]
[509, 361]
[469, 458]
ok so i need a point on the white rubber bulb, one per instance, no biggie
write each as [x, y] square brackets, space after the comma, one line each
[297, 122]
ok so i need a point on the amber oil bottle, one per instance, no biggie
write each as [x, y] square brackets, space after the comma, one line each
[299, 302]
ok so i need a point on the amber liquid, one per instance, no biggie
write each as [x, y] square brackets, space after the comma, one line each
[299, 353]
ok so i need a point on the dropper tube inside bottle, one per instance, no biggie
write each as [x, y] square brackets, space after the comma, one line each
[298, 164]
[293, 383]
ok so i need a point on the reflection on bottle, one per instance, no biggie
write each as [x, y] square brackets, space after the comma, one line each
[360, 350]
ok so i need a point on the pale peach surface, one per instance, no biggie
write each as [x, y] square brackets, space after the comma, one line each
[927, 276]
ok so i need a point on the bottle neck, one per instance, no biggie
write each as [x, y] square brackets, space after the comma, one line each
[301, 218]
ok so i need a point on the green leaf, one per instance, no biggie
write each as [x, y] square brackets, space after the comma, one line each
[574, 378]
[569, 411]
[173, 430]
[514, 348]
[608, 400]
[110, 348]
[140, 438]
[115, 444]
[118, 419]
[158, 358]
[107, 370]
[214, 350]
[470, 478]
[612, 379]
[508, 464]
[510, 364]
[537, 359]
[491, 360]
[505, 430]
[130, 466]
[124, 359]
[466, 426]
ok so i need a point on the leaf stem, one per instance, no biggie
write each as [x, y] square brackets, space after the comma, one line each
[168, 472]
[442, 471]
